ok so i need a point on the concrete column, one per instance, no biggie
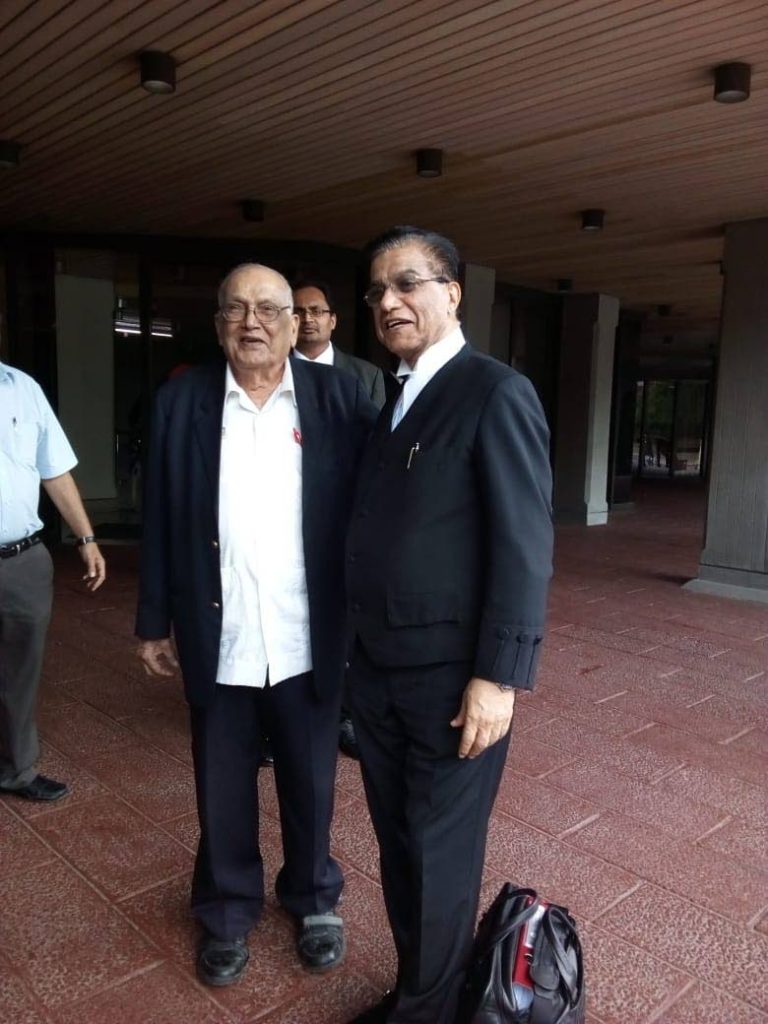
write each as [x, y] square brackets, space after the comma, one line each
[584, 408]
[478, 293]
[734, 562]
[84, 327]
[626, 374]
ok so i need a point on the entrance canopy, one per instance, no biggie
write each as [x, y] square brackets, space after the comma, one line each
[543, 109]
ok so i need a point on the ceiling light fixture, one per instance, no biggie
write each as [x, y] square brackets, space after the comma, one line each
[158, 72]
[429, 163]
[253, 210]
[10, 154]
[592, 220]
[732, 83]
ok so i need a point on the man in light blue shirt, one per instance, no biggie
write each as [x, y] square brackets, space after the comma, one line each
[33, 450]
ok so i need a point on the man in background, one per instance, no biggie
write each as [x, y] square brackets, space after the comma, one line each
[314, 306]
[33, 450]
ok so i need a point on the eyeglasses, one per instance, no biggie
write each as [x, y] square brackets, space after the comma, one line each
[402, 284]
[265, 312]
[310, 312]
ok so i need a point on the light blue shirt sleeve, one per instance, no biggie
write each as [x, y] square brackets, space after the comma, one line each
[33, 446]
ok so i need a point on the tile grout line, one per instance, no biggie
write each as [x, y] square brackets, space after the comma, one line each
[578, 826]
[669, 773]
[738, 735]
[753, 922]
[715, 828]
[619, 899]
[670, 1000]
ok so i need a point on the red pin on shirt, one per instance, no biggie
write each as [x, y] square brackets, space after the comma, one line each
[297, 435]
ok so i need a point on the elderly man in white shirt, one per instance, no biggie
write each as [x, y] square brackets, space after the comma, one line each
[249, 484]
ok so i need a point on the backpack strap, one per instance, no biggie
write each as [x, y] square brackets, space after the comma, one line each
[571, 977]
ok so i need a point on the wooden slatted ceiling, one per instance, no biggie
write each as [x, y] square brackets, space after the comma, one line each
[543, 107]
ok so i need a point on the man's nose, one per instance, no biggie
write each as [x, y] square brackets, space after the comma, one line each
[250, 317]
[389, 299]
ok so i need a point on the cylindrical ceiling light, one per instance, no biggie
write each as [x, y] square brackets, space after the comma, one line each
[429, 163]
[732, 82]
[10, 154]
[158, 72]
[253, 209]
[592, 220]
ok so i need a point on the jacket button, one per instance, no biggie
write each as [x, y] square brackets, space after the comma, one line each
[356, 606]
[380, 464]
[215, 604]
[363, 513]
[351, 558]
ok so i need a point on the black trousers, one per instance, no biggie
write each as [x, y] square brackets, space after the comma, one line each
[228, 883]
[430, 811]
[26, 593]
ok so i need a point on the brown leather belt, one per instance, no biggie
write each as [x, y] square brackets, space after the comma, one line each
[9, 550]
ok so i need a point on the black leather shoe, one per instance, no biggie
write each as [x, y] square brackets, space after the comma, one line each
[347, 739]
[377, 1014]
[320, 942]
[221, 961]
[40, 788]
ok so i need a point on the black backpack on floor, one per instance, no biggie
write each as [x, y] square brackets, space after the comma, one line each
[526, 964]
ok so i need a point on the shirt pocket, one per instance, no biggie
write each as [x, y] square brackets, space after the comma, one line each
[25, 438]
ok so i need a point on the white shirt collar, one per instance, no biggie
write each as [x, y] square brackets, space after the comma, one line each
[435, 357]
[285, 386]
[5, 372]
[326, 356]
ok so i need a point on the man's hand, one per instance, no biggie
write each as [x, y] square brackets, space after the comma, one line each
[158, 657]
[485, 715]
[95, 566]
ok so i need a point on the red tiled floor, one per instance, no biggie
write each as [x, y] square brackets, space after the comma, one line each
[623, 982]
[160, 996]
[701, 1004]
[715, 882]
[64, 940]
[634, 793]
[20, 846]
[697, 941]
[116, 849]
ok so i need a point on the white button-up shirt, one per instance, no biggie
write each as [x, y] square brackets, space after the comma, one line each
[427, 365]
[263, 580]
[326, 356]
[32, 446]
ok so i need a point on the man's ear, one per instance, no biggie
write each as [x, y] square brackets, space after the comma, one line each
[454, 291]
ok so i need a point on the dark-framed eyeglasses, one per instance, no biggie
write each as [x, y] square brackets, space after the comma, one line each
[401, 284]
[265, 312]
[311, 312]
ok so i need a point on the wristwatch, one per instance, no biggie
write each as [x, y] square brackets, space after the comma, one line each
[506, 687]
[82, 541]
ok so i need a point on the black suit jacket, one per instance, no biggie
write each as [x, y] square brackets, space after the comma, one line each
[370, 376]
[449, 553]
[180, 581]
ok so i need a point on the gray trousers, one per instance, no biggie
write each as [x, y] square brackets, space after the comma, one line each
[26, 593]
